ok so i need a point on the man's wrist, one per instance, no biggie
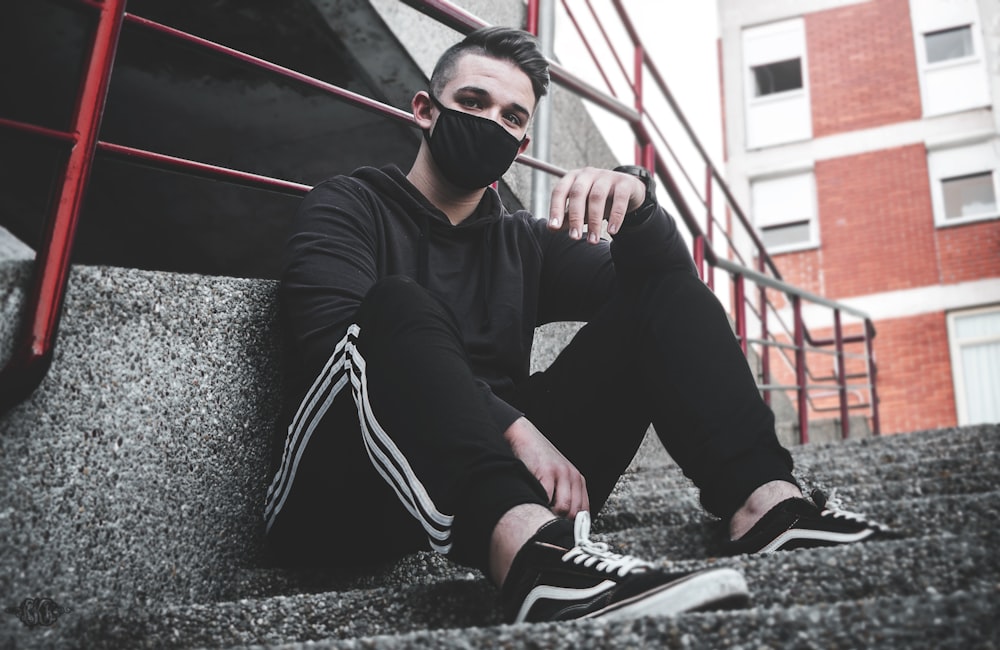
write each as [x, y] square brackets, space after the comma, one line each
[648, 206]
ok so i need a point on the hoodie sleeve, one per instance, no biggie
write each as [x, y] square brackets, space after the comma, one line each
[578, 278]
[330, 263]
[648, 247]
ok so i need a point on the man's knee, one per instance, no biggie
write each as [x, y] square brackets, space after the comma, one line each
[395, 290]
[396, 300]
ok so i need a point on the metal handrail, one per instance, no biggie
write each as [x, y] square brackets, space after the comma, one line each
[33, 352]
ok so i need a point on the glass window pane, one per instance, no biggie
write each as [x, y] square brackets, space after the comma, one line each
[981, 325]
[981, 375]
[971, 195]
[787, 234]
[777, 77]
[949, 44]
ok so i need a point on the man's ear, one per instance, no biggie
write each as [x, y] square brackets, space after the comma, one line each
[524, 145]
[421, 105]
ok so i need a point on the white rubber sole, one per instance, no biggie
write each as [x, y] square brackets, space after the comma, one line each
[704, 590]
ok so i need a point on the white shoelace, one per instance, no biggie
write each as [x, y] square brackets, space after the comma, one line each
[598, 555]
[832, 508]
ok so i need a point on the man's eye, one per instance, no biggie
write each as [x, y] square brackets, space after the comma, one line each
[514, 119]
[469, 103]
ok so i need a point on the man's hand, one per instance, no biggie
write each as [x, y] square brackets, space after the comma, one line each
[588, 196]
[563, 483]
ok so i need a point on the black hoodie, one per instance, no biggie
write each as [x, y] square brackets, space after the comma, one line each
[501, 274]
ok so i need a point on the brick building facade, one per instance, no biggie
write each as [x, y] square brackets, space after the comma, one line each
[863, 137]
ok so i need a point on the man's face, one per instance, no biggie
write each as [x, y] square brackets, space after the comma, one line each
[493, 89]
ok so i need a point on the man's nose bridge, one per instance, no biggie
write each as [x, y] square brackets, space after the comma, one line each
[496, 114]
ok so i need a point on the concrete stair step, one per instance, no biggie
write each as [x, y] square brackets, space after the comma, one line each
[909, 518]
[647, 500]
[941, 442]
[818, 577]
[939, 622]
[847, 471]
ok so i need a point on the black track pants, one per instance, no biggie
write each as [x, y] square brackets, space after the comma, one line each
[393, 449]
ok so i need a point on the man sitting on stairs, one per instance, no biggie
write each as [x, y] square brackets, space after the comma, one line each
[410, 301]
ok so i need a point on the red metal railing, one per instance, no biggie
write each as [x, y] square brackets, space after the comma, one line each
[802, 342]
[32, 353]
[33, 350]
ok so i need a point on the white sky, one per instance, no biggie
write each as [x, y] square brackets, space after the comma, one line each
[681, 38]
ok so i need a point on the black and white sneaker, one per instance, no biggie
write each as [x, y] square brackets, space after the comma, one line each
[560, 574]
[804, 523]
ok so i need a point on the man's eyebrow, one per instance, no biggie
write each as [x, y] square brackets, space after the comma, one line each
[482, 92]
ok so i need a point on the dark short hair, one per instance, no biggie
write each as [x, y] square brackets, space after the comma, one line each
[514, 45]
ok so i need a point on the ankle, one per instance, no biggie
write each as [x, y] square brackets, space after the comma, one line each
[759, 503]
[512, 532]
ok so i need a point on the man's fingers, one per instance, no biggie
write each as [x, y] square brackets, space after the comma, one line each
[586, 197]
[576, 204]
[597, 206]
[568, 203]
[618, 207]
[549, 485]
[557, 201]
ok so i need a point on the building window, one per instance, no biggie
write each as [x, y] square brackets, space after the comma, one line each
[784, 211]
[965, 183]
[969, 196]
[776, 84]
[975, 360]
[949, 44]
[777, 77]
[950, 54]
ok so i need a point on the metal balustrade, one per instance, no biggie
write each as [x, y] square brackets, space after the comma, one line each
[32, 352]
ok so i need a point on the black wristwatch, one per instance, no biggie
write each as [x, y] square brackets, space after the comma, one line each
[647, 179]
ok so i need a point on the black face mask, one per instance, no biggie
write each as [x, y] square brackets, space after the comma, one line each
[470, 151]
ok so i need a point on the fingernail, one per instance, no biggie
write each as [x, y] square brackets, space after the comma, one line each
[554, 222]
[592, 238]
[613, 228]
[574, 233]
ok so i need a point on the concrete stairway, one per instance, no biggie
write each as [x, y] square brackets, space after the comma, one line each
[133, 482]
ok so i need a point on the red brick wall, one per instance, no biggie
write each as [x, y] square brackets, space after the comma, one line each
[914, 374]
[862, 66]
[802, 269]
[915, 382]
[877, 231]
[969, 252]
[876, 222]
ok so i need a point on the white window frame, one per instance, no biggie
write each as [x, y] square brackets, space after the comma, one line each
[955, 350]
[930, 16]
[947, 162]
[786, 40]
[928, 65]
[812, 211]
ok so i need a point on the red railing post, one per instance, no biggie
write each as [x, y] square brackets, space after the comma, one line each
[800, 370]
[33, 349]
[741, 310]
[838, 337]
[710, 272]
[870, 354]
[698, 253]
[531, 18]
[648, 158]
[765, 349]
[638, 58]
